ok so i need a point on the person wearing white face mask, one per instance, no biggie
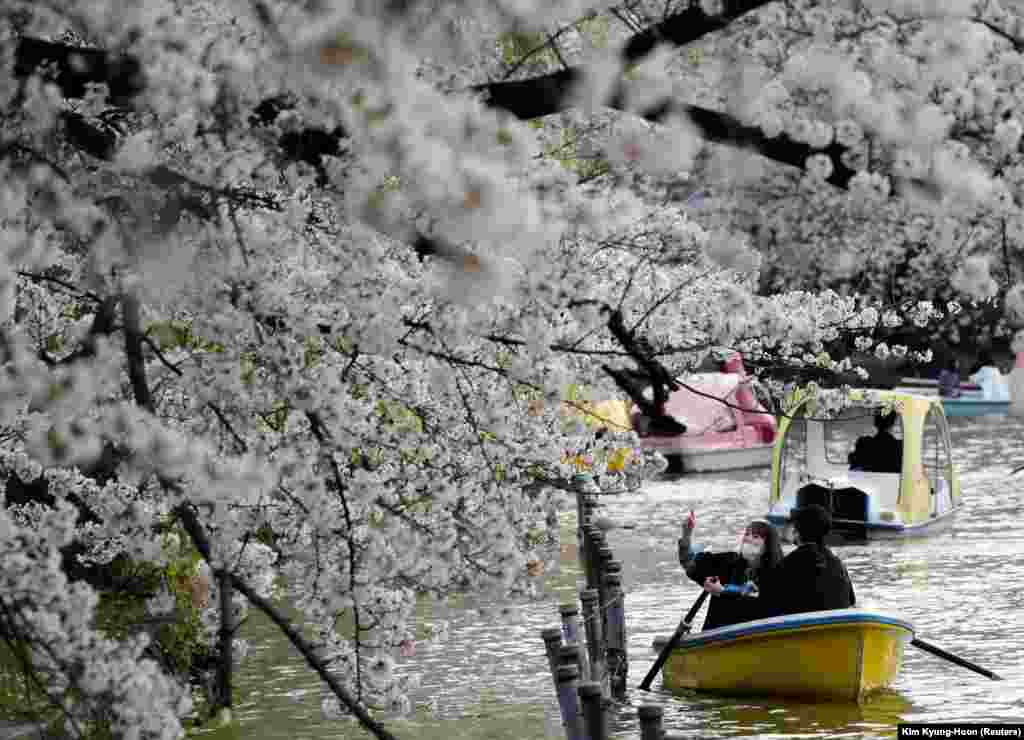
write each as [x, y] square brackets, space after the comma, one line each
[731, 577]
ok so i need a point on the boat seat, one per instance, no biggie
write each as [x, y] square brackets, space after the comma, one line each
[850, 503]
[841, 503]
[812, 493]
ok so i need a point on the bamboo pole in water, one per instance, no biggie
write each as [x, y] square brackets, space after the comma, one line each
[594, 718]
[567, 678]
[604, 556]
[585, 550]
[572, 655]
[552, 637]
[225, 641]
[595, 638]
[593, 538]
[571, 635]
[618, 663]
[651, 721]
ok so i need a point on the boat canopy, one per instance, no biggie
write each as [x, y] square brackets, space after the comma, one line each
[814, 450]
[612, 414]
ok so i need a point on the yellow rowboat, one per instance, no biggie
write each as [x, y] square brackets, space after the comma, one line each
[836, 655]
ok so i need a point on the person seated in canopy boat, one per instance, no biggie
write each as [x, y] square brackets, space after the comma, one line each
[811, 578]
[993, 383]
[731, 577]
[881, 453]
[949, 376]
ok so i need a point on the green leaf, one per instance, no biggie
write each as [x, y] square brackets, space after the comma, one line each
[312, 353]
[277, 419]
[248, 368]
[596, 29]
[55, 343]
[515, 45]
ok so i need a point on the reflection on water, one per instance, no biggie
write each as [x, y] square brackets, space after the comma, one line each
[742, 717]
[960, 589]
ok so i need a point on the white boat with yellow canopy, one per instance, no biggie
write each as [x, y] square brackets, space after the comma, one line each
[810, 464]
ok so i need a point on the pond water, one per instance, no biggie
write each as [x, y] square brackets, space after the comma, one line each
[962, 589]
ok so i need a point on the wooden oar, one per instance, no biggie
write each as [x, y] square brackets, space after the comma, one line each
[681, 630]
[929, 648]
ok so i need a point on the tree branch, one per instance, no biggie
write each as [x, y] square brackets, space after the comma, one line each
[320, 434]
[653, 372]
[551, 93]
[133, 352]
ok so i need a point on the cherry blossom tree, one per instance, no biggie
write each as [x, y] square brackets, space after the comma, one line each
[291, 293]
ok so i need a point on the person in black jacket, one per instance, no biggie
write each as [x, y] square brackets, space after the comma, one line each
[731, 577]
[811, 578]
[882, 453]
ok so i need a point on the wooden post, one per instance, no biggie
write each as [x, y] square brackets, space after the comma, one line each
[583, 551]
[613, 566]
[589, 529]
[595, 638]
[225, 641]
[571, 635]
[651, 721]
[594, 718]
[588, 554]
[584, 495]
[584, 514]
[567, 678]
[604, 556]
[618, 664]
[552, 637]
[571, 655]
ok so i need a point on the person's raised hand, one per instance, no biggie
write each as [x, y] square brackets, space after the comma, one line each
[713, 586]
[691, 522]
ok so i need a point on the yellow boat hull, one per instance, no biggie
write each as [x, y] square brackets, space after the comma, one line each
[839, 655]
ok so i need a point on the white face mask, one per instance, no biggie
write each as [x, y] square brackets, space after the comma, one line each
[751, 551]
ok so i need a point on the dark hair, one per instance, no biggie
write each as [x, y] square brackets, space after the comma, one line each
[946, 356]
[812, 522]
[885, 420]
[984, 359]
[772, 553]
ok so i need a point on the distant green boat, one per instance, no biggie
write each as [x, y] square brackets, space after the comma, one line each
[974, 407]
[969, 403]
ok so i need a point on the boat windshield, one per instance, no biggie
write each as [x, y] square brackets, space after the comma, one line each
[935, 450]
[853, 424]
